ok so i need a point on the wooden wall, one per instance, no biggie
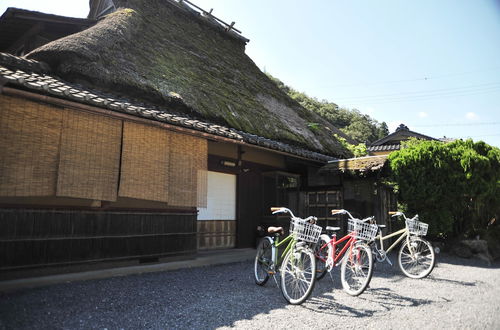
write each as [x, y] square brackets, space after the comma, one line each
[34, 238]
[65, 174]
[216, 234]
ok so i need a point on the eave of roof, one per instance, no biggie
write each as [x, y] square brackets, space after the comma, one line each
[359, 165]
[384, 147]
[401, 133]
[12, 12]
[33, 76]
[16, 24]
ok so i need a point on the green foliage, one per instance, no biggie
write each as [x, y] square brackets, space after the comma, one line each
[360, 127]
[313, 126]
[455, 187]
[358, 150]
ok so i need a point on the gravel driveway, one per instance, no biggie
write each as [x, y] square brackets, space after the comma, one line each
[460, 293]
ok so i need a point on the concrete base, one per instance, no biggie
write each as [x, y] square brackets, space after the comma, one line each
[205, 258]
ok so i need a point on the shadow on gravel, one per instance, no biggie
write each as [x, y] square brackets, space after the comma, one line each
[379, 300]
[432, 278]
[471, 262]
[197, 298]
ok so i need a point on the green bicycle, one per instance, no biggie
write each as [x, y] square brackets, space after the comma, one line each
[296, 263]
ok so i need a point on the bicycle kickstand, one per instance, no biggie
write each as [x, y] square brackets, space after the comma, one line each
[275, 280]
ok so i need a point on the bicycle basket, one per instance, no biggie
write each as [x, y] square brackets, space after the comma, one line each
[417, 227]
[362, 230]
[305, 231]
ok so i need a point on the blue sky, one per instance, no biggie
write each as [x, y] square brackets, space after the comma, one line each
[432, 65]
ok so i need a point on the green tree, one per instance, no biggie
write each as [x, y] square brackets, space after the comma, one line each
[358, 150]
[359, 127]
[455, 187]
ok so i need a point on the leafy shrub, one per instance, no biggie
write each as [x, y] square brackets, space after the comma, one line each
[455, 187]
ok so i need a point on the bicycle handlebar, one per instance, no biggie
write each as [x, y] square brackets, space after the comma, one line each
[398, 213]
[275, 210]
[342, 211]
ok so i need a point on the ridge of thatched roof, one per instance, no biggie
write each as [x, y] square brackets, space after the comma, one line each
[163, 53]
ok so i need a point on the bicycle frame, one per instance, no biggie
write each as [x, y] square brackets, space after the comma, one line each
[403, 232]
[290, 242]
[334, 257]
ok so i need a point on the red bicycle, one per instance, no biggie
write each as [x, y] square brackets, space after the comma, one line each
[350, 250]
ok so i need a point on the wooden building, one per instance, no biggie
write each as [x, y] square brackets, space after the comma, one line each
[150, 134]
[392, 142]
[363, 189]
[21, 30]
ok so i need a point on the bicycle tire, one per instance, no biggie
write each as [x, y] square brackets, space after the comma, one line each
[357, 269]
[419, 264]
[263, 261]
[298, 275]
[321, 255]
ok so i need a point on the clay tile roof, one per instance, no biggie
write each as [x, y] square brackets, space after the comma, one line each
[384, 147]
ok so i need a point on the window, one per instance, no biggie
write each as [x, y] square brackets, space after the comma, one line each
[221, 199]
[320, 203]
[280, 189]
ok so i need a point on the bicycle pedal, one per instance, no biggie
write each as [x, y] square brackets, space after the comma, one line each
[271, 272]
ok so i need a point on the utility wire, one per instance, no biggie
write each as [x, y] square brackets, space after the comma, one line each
[425, 97]
[425, 92]
[460, 124]
[425, 78]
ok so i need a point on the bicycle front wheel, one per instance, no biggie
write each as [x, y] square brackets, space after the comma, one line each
[321, 252]
[263, 261]
[298, 275]
[357, 269]
[417, 259]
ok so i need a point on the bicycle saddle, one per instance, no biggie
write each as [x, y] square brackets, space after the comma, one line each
[275, 230]
[332, 228]
[381, 226]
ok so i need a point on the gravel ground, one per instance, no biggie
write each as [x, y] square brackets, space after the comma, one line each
[459, 294]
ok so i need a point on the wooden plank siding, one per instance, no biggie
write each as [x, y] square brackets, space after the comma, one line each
[57, 237]
[216, 234]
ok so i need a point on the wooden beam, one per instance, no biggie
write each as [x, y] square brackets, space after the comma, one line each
[35, 29]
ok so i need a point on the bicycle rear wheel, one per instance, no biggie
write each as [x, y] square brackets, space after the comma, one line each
[263, 261]
[298, 275]
[417, 261]
[357, 269]
[321, 251]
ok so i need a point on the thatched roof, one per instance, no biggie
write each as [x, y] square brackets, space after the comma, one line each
[163, 53]
[361, 165]
[19, 74]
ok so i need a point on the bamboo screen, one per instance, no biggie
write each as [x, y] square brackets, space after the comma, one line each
[145, 162]
[29, 145]
[187, 171]
[90, 156]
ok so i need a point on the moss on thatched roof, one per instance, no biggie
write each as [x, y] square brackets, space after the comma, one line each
[356, 165]
[163, 53]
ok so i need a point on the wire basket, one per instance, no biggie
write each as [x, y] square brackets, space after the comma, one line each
[305, 231]
[362, 230]
[417, 227]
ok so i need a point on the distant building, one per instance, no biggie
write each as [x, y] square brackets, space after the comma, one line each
[392, 142]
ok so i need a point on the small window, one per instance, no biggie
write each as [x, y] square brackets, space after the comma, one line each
[221, 197]
[320, 203]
